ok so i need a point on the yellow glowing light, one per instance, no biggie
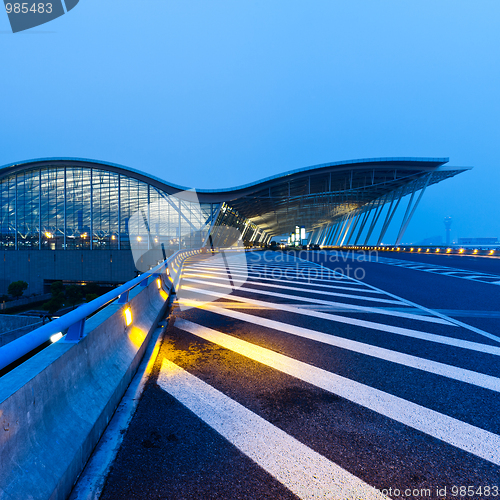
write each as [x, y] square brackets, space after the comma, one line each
[139, 238]
[136, 336]
[448, 250]
[461, 250]
[475, 251]
[492, 252]
[128, 316]
[419, 249]
[57, 336]
[113, 237]
[427, 251]
[48, 235]
[84, 235]
[158, 283]
[163, 295]
[411, 249]
[437, 250]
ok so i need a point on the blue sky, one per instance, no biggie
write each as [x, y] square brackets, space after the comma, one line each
[217, 93]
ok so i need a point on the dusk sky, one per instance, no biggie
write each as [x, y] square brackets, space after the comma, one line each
[210, 94]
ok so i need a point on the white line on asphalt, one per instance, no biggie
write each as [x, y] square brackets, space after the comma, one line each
[434, 367]
[374, 310]
[301, 290]
[447, 271]
[303, 471]
[460, 434]
[406, 332]
[257, 276]
[290, 273]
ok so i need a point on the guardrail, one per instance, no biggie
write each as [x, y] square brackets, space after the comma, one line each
[437, 250]
[74, 321]
[55, 406]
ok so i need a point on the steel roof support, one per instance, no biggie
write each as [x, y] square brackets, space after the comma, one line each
[317, 235]
[313, 235]
[339, 236]
[338, 228]
[214, 217]
[328, 231]
[406, 221]
[92, 209]
[376, 216]
[65, 201]
[363, 223]
[40, 207]
[358, 216]
[346, 232]
[324, 233]
[389, 216]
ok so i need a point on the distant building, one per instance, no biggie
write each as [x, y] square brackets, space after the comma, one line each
[478, 241]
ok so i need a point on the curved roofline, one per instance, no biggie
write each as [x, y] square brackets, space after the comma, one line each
[413, 161]
[275, 202]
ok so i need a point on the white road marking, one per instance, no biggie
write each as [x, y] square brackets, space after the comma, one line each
[294, 288]
[258, 276]
[440, 315]
[434, 367]
[332, 277]
[303, 471]
[436, 269]
[406, 332]
[464, 436]
[374, 310]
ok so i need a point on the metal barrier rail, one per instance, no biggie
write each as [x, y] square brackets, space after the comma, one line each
[424, 249]
[74, 321]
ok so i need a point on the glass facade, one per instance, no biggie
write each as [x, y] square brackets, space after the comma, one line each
[230, 218]
[73, 207]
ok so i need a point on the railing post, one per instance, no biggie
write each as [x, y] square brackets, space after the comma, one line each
[75, 331]
[123, 298]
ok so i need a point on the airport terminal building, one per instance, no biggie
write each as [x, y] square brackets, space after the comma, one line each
[82, 220]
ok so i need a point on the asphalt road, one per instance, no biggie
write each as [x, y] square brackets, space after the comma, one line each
[303, 383]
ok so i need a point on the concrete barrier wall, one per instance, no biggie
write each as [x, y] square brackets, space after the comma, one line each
[55, 406]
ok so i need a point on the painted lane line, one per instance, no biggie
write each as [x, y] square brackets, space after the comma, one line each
[440, 315]
[293, 272]
[374, 310]
[295, 269]
[240, 305]
[303, 471]
[434, 367]
[479, 442]
[260, 278]
[302, 290]
[447, 271]
[312, 273]
[406, 332]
